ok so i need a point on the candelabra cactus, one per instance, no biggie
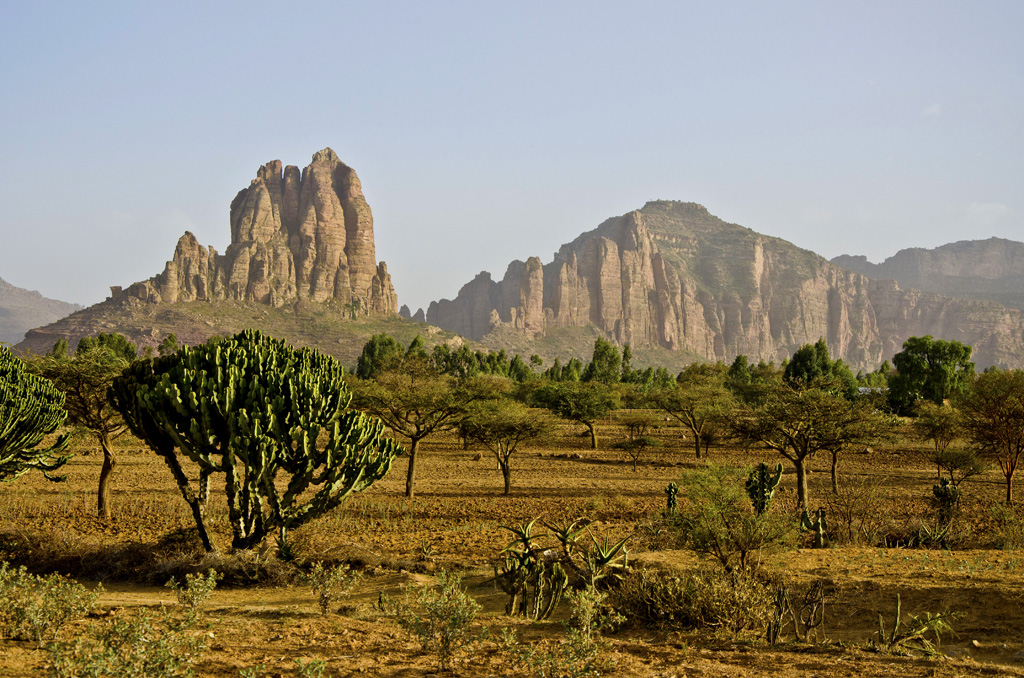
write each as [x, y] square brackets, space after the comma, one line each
[761, 486]
[671, 501]
[947, 496]
[259, 412]
[819, 526]
[30, 409]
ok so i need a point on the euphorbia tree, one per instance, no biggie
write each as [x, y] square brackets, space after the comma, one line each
[30, 409]
[272, 419]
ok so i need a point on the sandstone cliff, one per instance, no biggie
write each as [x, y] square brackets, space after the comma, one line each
[672, 275]
[294, 237]
[991, 269]
[21, 310]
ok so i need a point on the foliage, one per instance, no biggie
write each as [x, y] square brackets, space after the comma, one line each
[501, 426]
[929, 369]
[912, 635]
[581, 403]
[993, 418]
[31, 408]
[857, 516]
[132, 646]
[812, 364]
[701, 402]
[330, 583]
[196, 589]
[441, 617]
[380, 352]
[36, 608]
[259, 412]
[637, 425]
[415, 401]
[717, 519]
[605, 364]
[85, 379]
[580, 655]
[959, 465]
[939, 424]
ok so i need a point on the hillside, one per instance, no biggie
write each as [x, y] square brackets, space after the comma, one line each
[672, 276]
[21, 310]
[991, 270]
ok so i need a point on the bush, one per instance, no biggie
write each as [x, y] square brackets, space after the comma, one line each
[135, 646]
[36, 608]
[702, 598]
[331, 583]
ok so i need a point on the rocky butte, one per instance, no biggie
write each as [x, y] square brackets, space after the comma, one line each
[673, 276]
[296, 236]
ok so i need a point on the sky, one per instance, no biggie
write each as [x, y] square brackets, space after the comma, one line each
[485, 132]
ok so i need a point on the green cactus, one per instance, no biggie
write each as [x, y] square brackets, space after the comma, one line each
[819, 527]
[947, 497]
[671, 501]
[761, 486]
[273, 419]
[31, 408]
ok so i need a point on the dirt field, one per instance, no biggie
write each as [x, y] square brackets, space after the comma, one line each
[454, 523]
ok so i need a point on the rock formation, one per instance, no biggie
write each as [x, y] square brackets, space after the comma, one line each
[671, 275]
[21, 310]
[294, 237]
[991, 269]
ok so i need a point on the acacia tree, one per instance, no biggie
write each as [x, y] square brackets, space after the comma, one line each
[938, 423]
[414, 401]
[31, 408]
[700, 401]
[85, 379]
[994, 420]
[798, 422]
[501, 426]
[583, 403]
[272, 420]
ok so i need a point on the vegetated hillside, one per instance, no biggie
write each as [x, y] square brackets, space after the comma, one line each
[991, 269]
[21, 310]
[301, 265]
[671, 276]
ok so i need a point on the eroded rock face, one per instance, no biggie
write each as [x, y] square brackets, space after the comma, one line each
[674, 276]
[294, 237]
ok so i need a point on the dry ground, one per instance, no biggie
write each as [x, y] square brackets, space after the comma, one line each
[454, 523]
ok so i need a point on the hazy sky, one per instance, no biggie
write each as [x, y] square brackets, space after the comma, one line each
[490, 131]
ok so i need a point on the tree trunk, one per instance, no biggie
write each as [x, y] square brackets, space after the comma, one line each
[506, 472]
[410, 477]
[835, 474]
[1009, 489]
[801, 483]
[103, 495]
[696, 444]
[593, 436]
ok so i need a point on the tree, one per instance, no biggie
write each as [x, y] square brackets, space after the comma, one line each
[993, 417]
[605, 364]
[812, 363]
[414, 400]
[929, 369]
[798, 422]
[700, 401]
[85, 379]
[501, 426]
[31, 408]
[379, 353]
[583, 403]
[168, 346]
[937, 423]
[272, 420]
[637, 424]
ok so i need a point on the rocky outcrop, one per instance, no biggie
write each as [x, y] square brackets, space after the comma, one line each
[671, 275]
[21, 310]
[294, 237]
[991, 269]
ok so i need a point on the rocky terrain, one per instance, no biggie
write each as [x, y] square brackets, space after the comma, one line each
[990, 270]
[21, 310]
[298, 239]
[672, 275]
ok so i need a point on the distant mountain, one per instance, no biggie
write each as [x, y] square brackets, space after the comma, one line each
[301, 261]
[21, 310]
[990, 269]
[673, 276]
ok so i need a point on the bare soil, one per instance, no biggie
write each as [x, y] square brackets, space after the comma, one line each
[454, 523]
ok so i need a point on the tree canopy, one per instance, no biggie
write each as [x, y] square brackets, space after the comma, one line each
[929, 369]
[993, 417]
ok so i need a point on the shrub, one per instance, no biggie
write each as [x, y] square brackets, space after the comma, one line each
[441, 617]
[134, 646]
[331, 583]
[197, 589]
[36, 608]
